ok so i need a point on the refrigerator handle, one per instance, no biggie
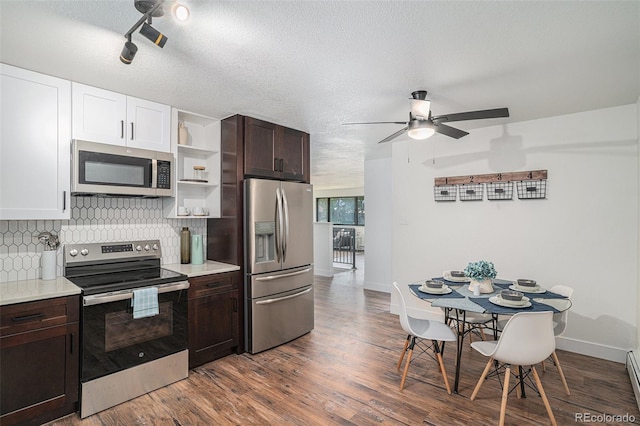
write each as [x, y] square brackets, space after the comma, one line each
[285, 240]
[278, 226]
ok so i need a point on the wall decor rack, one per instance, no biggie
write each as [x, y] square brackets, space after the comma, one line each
[530, 185]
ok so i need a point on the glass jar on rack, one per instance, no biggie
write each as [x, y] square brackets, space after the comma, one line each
[200, 173]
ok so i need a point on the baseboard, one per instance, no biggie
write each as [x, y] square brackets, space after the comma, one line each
[323, 272]
[372, 285]
[634, 374]
[595, 350]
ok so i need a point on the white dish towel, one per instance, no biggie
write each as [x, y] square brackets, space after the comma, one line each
[145, 302]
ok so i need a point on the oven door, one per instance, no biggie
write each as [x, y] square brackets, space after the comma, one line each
[112, 340]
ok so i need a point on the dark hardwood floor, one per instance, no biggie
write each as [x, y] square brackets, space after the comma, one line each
[344, 372]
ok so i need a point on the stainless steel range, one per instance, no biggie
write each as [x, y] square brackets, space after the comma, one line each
[133, 321]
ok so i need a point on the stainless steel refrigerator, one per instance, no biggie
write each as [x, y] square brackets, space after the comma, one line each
[278, 221]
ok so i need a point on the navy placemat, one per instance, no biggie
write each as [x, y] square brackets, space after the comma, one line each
[414, 288]
[449, 282]
[497, 309]
[546, 295]
[503, 284]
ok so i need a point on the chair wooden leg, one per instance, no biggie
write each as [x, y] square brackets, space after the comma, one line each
[406, 366]
[564, 381]
[404, 350]
[543, 395]
[544, 367]
[484, 337]
[505, 395]
[482, 377]
[442, 370]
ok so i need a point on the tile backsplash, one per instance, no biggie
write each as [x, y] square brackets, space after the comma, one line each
[93, 219]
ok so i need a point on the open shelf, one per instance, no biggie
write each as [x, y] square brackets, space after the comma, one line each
[202, 148]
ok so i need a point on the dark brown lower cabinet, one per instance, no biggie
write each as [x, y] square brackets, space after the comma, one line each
[39, 361]
[213, 317]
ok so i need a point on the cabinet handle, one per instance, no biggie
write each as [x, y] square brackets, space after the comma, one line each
[275, 164]
[71, 341]
[282, 164]
[132, 130]
[121, 129]
[235, 304]
[27, 317]
[217, 283]
[64, 201]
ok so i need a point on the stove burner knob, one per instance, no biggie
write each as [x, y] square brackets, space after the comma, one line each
[73, 252]
[84, 252]
[155, 247]
[147, 248]
[138, 248]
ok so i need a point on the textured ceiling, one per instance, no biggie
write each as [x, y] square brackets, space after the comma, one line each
[314, 65]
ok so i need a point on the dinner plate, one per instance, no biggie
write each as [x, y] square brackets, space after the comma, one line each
[443, 290]
[448, 277]
[496, 300]
[513, 303]
[535, 290]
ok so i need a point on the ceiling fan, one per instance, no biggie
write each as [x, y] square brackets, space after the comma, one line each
[422, 124]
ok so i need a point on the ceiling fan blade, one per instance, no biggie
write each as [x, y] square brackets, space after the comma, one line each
[449, 131]
[377, 122]
[395, 135]
[472, 115]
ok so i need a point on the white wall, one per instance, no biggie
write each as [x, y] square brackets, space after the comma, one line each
[584, 234]
[323, 249]
[377, 256]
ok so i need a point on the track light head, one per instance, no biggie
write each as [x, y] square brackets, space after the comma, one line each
[180, 11]
[154, 35]
[128, 52]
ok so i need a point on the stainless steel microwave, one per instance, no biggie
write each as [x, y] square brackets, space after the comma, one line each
[102, 169]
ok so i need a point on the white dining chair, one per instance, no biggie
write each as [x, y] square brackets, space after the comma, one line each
[527, 339]
[559, 326]
[418, 332]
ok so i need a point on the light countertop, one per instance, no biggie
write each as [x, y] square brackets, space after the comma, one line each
[207, 268]
[36, 289]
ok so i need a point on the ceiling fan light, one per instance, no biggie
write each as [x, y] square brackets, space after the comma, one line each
[420, 133]
[420, 108]
[419, 129]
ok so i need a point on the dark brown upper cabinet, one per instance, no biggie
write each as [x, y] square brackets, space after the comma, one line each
[274, 151]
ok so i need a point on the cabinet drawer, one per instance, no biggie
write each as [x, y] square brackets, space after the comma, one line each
[41, 314]
[211, 284]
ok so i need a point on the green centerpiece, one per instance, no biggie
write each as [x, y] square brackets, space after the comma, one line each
[481, 273]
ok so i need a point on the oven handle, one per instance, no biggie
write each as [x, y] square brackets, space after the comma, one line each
[98, 299]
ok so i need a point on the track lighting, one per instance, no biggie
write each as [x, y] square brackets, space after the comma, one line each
[180, 11]
[128, 52]
[154, 35]
[149, 10]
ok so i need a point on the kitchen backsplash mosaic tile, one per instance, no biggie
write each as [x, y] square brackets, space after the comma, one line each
[93, 219]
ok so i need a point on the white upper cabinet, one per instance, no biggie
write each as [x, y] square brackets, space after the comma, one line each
[107, 117]
[35, 141]
[149, 125]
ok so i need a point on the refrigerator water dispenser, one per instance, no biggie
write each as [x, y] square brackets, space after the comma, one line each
[265, 244]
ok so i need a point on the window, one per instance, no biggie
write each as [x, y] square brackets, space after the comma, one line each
[340, 210]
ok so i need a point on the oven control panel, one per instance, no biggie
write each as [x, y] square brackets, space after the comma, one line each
[95, 252]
